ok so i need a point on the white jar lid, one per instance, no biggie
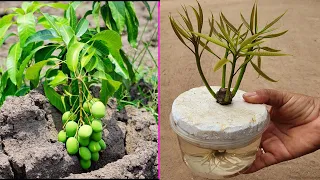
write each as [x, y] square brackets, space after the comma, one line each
[198, 117]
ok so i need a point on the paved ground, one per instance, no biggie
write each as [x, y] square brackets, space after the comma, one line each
[299, 73]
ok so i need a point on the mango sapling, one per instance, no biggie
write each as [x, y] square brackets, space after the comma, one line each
[218, 132]
[75, 57]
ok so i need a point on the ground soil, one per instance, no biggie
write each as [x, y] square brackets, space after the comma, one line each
[298, 73]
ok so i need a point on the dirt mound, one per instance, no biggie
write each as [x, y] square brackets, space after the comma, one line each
[29, 149]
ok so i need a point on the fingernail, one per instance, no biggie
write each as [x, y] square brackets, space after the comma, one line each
[250, 94]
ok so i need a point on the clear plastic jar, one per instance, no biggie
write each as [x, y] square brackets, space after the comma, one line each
[217, 159]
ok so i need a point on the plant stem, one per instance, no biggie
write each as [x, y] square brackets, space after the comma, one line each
[223, 83]
[80, 98]
[236, 87]
[201, 73]
[227, 97]
[243, 69]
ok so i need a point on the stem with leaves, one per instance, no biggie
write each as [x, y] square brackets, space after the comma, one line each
[233, 40]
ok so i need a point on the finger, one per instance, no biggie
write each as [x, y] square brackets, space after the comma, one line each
[252, 168]
[263, 160]
[267, 96]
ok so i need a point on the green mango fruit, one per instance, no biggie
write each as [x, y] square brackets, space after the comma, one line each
[85, 131]
[95, 156]
[94, 146]
[72, 145]
[71, 128]
[62, 136]
[85, 153]
[98, 110]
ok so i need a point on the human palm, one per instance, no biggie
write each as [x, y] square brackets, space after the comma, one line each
[294, 129]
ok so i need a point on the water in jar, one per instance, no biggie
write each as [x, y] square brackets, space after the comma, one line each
[218, 163]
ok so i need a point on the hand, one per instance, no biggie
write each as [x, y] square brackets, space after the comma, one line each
[294, 129]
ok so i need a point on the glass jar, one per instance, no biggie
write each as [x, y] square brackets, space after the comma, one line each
[217, 159]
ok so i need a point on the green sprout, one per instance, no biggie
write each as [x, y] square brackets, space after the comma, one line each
[241, 43]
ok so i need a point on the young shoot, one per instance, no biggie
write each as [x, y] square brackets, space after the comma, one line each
[242, 44]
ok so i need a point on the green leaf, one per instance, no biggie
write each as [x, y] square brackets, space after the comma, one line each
[10, 89]
[24, 64]
[59, 6]
[60, 78]
[259, 62]
[207, 48]
[33, 72]
[186, 20]
[211, 39]
[52, 22]
[229, 24]
[249, 40]
[87, 13]
[252, 17]
[72, 17]
[34, 7]
[255, 53]
[269, 49]
[72, 41]
[17, 10]
[132, 24]
[7, 19]
[92, 63]
[95, 14]
[129, 66]
[256, 19]
[44, 53]
[273, 22]
[113, 42]
[253, 45]
[12, 60]
[108, 88]
[82, 27]
[22, 91]
[178, 31]
[106, 15]
[112, 39]
[198, 19]
[275, 35]
[54, 98]
[220, 63]
[245, 22]
[72, 57]
[76, 4]
[40, 36]
[87, 58]
[118, 13]
[67, 33]
[26, 27]
[60, 21]
[117, 60]
[262, 73]
[25, 6]
[4, 29]
[148, 8]
[227, 37]
[101, 48]
[4, 79]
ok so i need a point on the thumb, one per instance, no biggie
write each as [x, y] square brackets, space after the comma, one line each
[267, 96]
